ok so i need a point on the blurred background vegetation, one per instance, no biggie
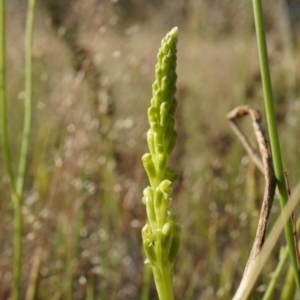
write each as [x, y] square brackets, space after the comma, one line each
[93, 70]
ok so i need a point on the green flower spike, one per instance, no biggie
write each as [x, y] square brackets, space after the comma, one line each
[161, 236]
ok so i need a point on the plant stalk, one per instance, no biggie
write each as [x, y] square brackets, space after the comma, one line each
[272, 128]
[3, 96]
[28, 98]
[18, 194]
[18, 233]
[269, 294]
[164, 283]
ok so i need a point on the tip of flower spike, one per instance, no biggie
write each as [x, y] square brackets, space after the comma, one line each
[174, 31]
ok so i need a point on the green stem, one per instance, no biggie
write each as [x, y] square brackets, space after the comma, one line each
[18, 193]
[272, 127]
[3, 96]
[269, 294]
[28, 98]
[18, 232]
[146, 282]
[164, 282]
[289, 286]
[7, 158]
[90, 295]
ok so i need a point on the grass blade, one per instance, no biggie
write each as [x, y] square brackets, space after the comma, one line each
[3, 95]
[272, 127]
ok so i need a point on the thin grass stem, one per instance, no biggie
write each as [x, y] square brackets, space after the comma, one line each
[289, 286]
[18, 233]
[7, 158]
[272, 128]
[28, 98]
[269, 294]
[3, 96]
[146, 282]
[18, 194]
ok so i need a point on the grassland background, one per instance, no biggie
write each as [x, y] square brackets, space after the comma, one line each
[93, 70]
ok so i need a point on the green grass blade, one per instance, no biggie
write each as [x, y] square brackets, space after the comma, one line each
[28, 98]
[18, 234]
[3, 97]
[272, 127]
[18, 196]
[269, 294]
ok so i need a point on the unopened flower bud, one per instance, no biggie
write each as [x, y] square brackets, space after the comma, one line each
[150, 141]
[166, 188]
[149, 166]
